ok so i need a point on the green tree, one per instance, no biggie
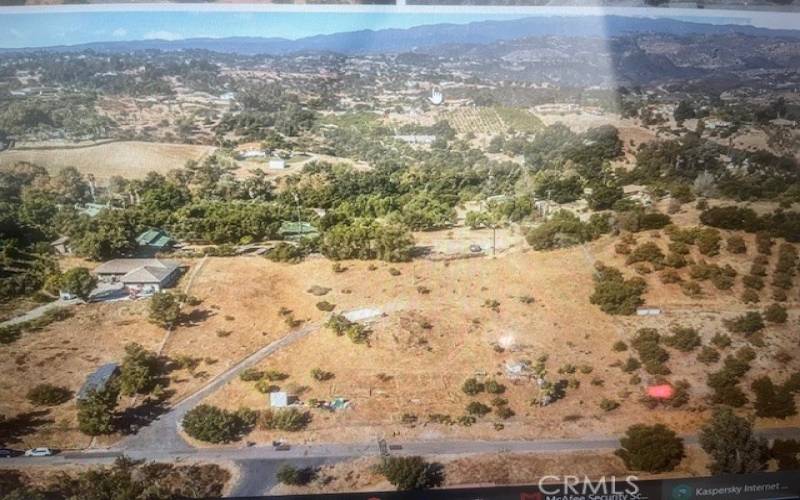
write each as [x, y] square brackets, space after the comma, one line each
[773, 401]
[78, 281]
[139, 370]
[215, 425]
[96, 411]
[729, 441]
[411, 473]
[165, 309]
[651, 448]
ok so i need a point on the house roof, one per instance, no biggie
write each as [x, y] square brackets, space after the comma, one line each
[60, 241]
[148, 274]
[288, 227]
[154, 238]
[125, 266]
[98, 379]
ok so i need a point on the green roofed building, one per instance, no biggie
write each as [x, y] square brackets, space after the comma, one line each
[153, 241]
[297, 230]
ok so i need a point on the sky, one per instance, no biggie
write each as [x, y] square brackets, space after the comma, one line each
[70, 25]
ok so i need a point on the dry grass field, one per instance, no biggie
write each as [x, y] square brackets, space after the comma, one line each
[426, 344]
[132, 160]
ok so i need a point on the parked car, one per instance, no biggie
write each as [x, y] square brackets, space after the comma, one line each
[280, 446]
[39, 452]
[7, 453]
[475, 248]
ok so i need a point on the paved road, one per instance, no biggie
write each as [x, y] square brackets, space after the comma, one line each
[39, 311]
[258, 464]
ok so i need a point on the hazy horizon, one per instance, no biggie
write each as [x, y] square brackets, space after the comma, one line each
[28, 28]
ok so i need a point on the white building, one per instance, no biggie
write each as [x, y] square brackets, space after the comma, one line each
[140, 276]
[276, 163]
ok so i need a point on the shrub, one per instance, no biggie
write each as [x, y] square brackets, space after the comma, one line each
[325, 306]
[620, 346]
[504, 412]
[285, 252]
[782, 280]
[294, 476]
[653, 356]
[321, 375]
[608, 404]
[692, 289]
[472, 387]
[653, 448]
[275, 375]
[708, 355]
[746, 324]
[722, 281]
[775, 313]
[215, 425]
[736, 245]
[411, 473]
[646, 252]
[754, 282]
[683, 339]
[675, 260]
[251, 375]
[48, 395]
[669, 276]
[477, 408]
[772, 401]
[721, 340]
[679, 248]
[631, 365]
[725, 383]
[284, 419]
[408, 419]
[614, 294]
[750, 296]
[764, 243]
[786, 453]
[708, 241]
[494, 387]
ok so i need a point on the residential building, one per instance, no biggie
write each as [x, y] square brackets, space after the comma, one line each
[140, 276]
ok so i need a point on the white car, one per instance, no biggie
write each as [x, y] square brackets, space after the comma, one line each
[39, 452]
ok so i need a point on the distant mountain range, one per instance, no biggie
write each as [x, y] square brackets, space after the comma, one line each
[421, 37]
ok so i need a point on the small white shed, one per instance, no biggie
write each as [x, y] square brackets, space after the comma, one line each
[278, 399]
[276, 164]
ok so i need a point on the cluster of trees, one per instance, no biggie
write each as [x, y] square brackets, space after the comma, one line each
[140, 373]
[727, 438]
[613, 293]
[216, 425]
[691, 165]
[565, 229]
[780, 223]
[126, 479]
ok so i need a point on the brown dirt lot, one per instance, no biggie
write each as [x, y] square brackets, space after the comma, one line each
[132, 160]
